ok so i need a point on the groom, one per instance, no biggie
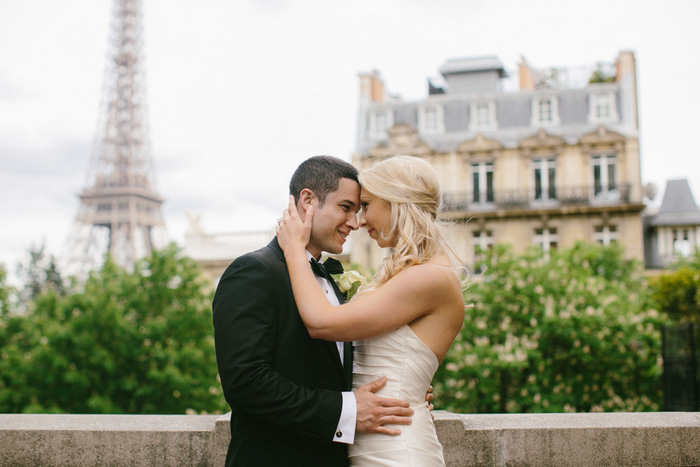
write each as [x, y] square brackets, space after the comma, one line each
[289, 394]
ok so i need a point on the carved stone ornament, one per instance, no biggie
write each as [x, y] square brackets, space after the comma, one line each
[479, 144]
[542, 140]
[403, 139]
[602, 136]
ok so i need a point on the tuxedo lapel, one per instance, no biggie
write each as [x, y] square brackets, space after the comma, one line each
[344, 370]
[338, 293]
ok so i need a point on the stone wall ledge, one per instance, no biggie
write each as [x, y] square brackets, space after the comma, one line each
[596, 439]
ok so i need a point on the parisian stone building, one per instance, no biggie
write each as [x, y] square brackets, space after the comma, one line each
[545, 158]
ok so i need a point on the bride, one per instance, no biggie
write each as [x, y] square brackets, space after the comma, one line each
[405, 320]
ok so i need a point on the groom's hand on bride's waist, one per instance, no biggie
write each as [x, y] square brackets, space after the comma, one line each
[429, 397]
[374, 412]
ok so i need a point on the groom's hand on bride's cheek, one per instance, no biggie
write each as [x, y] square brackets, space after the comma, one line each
[373, 412]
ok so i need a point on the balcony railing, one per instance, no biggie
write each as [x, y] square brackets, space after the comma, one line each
[471, 201]
[206, 246]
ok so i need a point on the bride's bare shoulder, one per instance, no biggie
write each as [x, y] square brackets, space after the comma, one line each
[441, 263]
[436, 273]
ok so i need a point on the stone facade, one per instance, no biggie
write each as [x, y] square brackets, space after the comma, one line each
[551, 163]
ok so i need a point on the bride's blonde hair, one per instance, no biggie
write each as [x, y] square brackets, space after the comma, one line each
[411, 188]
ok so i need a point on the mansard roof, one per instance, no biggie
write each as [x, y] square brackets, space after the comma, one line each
[678, 206]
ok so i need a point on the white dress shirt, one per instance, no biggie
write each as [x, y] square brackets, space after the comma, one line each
[345, 432]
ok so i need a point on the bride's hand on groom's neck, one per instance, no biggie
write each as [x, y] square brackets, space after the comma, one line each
[292, 232]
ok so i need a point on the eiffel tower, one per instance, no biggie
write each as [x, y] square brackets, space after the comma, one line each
[119, 212]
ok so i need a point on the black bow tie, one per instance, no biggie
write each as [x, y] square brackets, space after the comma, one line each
[325, 269]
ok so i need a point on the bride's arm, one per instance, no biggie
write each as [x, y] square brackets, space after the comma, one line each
[410, 294]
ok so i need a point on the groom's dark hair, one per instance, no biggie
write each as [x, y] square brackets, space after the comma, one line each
[320, 174]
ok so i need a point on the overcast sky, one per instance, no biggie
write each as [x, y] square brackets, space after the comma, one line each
[240, 92]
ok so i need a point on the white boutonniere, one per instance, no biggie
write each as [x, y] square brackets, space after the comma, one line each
[348, 282]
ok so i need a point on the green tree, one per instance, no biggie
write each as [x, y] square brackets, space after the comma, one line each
[560, 333]
[38, 273]
[600, 75]
[13, 361]
[692, 261]
[6, 293]
[138, 342]
[549, 79]
[677, 292]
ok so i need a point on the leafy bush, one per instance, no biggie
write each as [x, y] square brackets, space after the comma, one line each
[567, 332]
[138, 342]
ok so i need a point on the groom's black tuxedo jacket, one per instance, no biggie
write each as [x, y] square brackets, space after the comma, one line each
[283, 386]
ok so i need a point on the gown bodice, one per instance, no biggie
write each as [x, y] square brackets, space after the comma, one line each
[409, 365]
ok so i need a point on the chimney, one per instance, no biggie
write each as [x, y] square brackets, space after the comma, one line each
[626, 66]
[371, 87]
[527, 83]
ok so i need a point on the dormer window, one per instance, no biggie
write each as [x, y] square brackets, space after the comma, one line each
[430, 119]
[380, 120]
[545, 111]
[601, 107]
[483, 116]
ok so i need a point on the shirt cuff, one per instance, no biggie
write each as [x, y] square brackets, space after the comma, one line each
[345, 433]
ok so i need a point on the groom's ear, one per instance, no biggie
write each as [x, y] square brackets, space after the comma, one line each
[306, 198]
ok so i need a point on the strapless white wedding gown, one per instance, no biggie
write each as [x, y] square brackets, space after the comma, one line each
[409, 366]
